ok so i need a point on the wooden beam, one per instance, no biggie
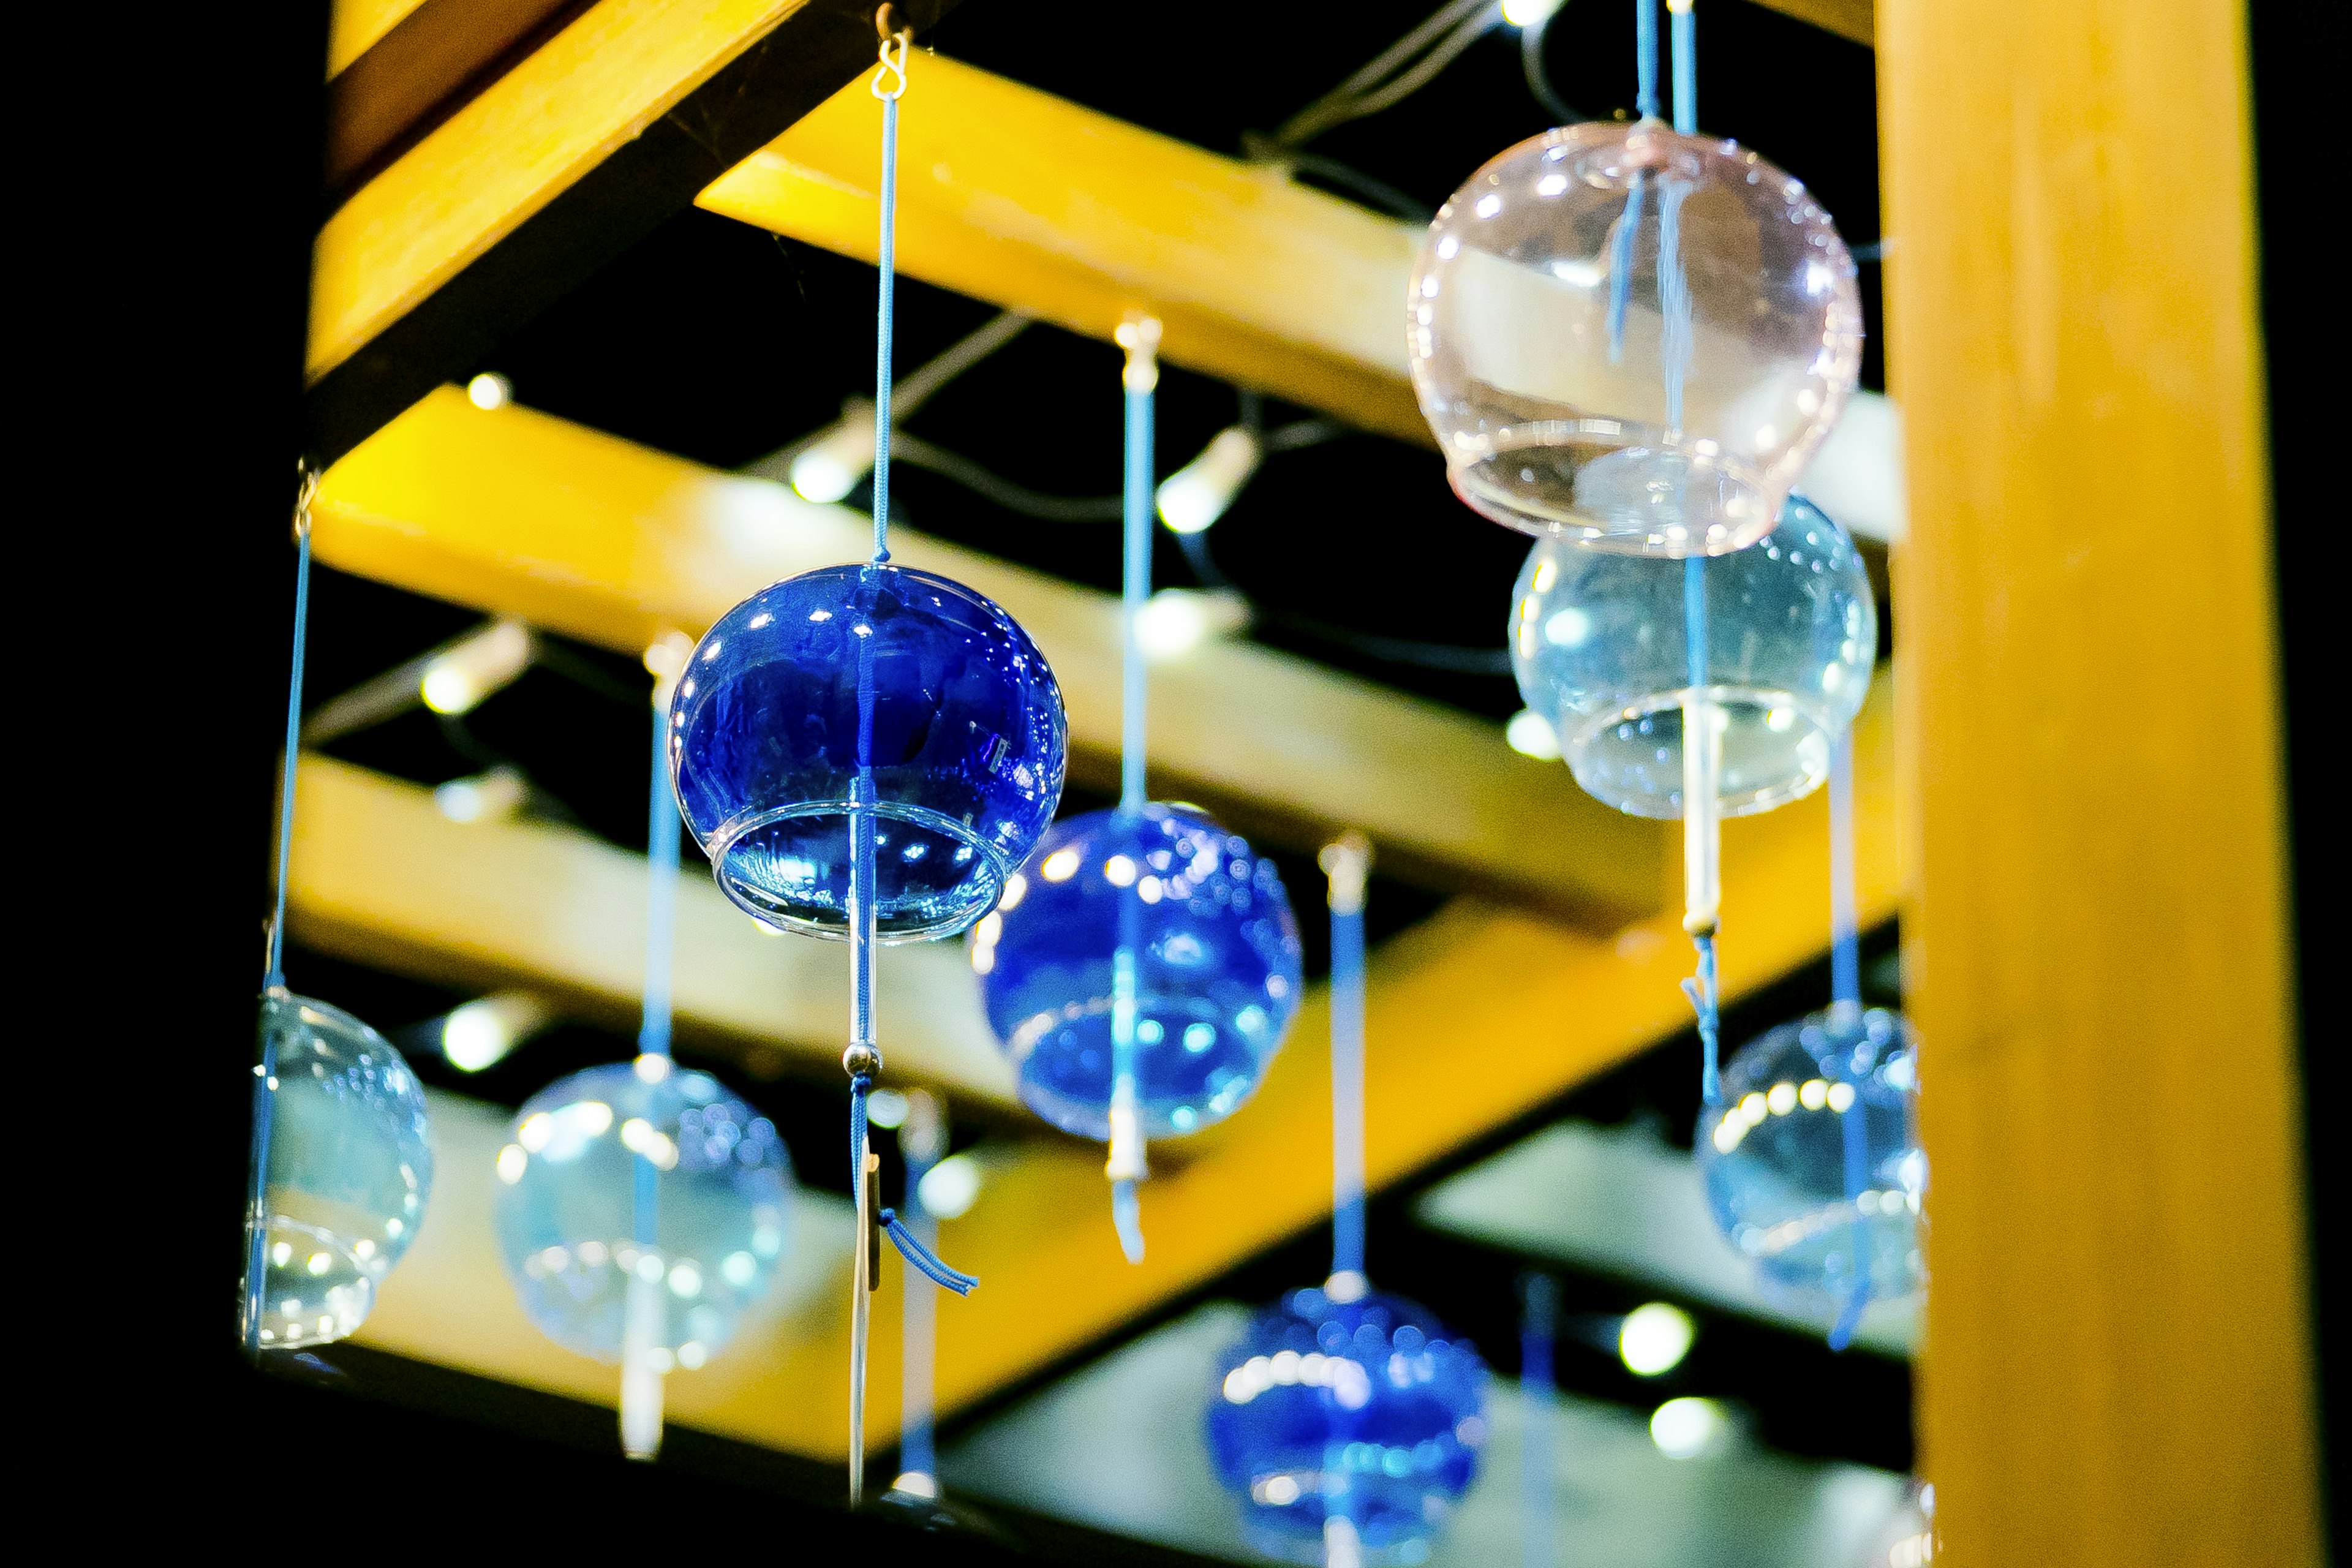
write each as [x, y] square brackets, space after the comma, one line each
[1475, 1017]
[519, 513]
[2119, 1360]
[564, 162]
[418, 69]
[382, 877]
[1014, 196]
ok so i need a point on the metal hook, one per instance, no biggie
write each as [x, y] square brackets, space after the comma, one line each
[307, 488]
[893, 56]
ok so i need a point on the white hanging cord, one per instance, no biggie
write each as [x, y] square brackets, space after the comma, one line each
[1346, 863]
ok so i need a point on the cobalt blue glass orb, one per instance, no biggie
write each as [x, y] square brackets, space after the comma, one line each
[1774, 1156]
[878, 672]
[1217, 968]
[1793, 633]
[350, 1172]
[565, 1209]
[1364, 1410]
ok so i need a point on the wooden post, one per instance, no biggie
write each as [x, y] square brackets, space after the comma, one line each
[2118, 1357]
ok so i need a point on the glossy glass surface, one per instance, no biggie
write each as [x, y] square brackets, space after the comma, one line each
[1540, 332]
[1366, 1411]
[1793, 633]
[1774, 1157]
[1217, 971]
[966, 745]
[565, 1208]
[351, 1170]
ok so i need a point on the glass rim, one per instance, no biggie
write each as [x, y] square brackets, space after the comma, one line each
[992, 865]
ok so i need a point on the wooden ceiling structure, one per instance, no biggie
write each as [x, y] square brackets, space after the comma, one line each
[487, 158]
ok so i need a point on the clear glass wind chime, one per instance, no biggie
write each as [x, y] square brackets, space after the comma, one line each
[865, 752]
[642, 1210]
[342, 1165]
[1142, 969]
[1629, 340]
[1811, 1159]
[1346, 1422]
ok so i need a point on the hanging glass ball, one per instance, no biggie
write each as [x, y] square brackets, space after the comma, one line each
[961, 723]
[349, 1170]
[1217, 967]
[1774, 1156]
[1792, 632]
[1364, 1411]
[1567, 291]
[566, 1208]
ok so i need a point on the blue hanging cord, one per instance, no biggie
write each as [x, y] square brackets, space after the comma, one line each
[661, 922]
[1845, 1013]
[1645, 104]
[1346, 863]
[922, 1139]
[265, 1075]
[1646, 58]
[1539, 1316]
[1685, 44]
[889, 85]
[1127, 1163]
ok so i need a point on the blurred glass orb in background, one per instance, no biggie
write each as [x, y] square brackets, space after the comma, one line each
[1362, 1412]
[1774, 1156]
[1217, 968]
[965, 745]
[350, 1173]
[1559, 284]
[565, 1208]
[1792, 633]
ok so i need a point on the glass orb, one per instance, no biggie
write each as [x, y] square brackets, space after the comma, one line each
[1364, 1410]
[350, 1172]
[1217, 974]
[1793, 633]
[1548, 318]
[1774, 1156]
[965, 742]
[565, 1208]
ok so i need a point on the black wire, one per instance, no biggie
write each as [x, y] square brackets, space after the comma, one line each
[562, 661]
[1531, 65]
[1379, 193]
[916, 453]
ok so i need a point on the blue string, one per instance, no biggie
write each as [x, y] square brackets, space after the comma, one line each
[888, 265]
[1539, 1299]
[1646, 58]
[265, 1081]
[918, 1319]
[1346, 994]
[1846, 1014]
[1684, 23]
[910, 1246]
[1126, 1206]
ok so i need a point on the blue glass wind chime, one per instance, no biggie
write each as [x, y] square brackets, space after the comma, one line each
[1629, 340]
[642, 1209]
[341, 1164]
[865, 752]
[1346, 1422]
[1142, 969]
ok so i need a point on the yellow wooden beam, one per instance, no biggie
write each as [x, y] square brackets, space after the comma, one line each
[382, 877]
[2118, 1365]
[1014, 196]
[519, 513]
[1474, 1017]
[510, 152]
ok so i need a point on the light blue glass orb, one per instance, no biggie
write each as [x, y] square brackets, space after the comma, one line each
[1364, 1410]
[565, 1206]
[349, 1170]
[1774, 1156]
[1597, 644]
[1217, 959]
[942, 697]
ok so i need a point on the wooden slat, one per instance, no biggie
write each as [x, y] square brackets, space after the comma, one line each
[519, 513]
[356, 26]
[569, 158]
[1013, 195]
[420, 67]
[1474, 1017]
[382, 877]
[2120, 1365]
